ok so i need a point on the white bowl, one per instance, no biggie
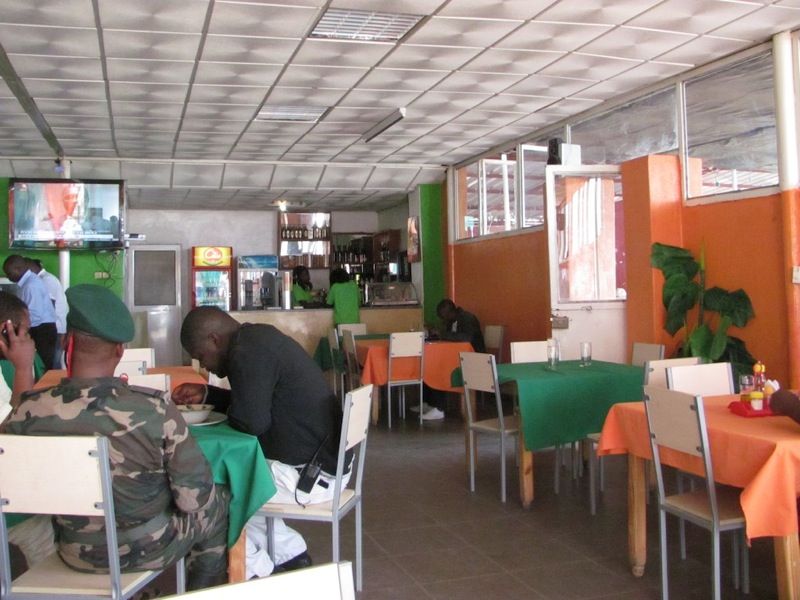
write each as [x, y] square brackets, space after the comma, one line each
[195, 413]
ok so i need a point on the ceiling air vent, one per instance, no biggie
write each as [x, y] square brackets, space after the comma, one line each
[363, 25]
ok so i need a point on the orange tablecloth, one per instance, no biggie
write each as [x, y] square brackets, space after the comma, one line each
[760, 455]
[441, 358]
[177, 375]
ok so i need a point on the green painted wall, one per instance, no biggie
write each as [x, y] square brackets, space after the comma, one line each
[431, 212]
[83, 263]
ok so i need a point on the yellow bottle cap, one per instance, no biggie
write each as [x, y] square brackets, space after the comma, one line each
[756, 395]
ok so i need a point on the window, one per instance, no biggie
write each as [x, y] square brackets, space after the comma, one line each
[645, 126]
[534, 160]
[730, 125]
[487, 196]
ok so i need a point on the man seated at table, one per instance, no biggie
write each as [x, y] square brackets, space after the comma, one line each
[166, 503]
[278, 394]
[458, 326]
[784, 402]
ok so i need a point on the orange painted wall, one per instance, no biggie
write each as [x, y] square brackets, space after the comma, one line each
[744, 249]
[505, 281]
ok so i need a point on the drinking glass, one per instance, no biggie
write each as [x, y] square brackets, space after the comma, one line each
[586, 354]
[746, 383]
[552, 353]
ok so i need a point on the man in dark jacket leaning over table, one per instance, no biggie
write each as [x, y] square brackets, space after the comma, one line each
[278, 394]
[165, 500]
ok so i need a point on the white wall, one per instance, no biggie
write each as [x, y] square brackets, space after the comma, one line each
[354, 222]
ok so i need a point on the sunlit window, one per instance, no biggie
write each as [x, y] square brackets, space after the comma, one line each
[486, 201]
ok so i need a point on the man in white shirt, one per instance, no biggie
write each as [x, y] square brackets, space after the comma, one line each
[59, 299]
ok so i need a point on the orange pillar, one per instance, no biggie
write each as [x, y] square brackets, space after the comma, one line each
[790, 204]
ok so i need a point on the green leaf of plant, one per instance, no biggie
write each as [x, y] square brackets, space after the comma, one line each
[737, 354]
[700, 341]
[679, 296]
[735, 305]
[671, 260]
[720, 340]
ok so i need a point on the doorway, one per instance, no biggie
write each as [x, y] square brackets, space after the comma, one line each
[586, 242]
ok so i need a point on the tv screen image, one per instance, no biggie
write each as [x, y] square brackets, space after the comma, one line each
[66, 213]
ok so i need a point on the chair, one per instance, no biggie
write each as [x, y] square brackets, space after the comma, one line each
[148, 355]
[713, 379]
[522, 352]
[356, 328]
[156, 381]
[676, 421]
[355, 426]
[655, 371]
[351, 360]
[479, 371]
[130, 367]
[338, 372]
[493, 336]
[645, 352]
[331, 581]
[409, 344]
[63, 475]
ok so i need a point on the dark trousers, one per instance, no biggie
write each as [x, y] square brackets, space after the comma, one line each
[434, 397]
[44, 337]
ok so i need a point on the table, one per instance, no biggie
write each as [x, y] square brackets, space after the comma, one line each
[762, 456]
[236, 461]
[440, 359]
[563, 405]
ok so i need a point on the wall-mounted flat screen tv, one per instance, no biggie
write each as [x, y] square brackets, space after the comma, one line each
[66, 213]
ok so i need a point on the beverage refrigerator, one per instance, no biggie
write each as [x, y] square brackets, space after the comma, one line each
[212, 276]
[259, 282]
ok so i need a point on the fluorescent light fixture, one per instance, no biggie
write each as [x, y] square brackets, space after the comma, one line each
[363, 25]
[377, 129]
[297, 114]
[282, 205]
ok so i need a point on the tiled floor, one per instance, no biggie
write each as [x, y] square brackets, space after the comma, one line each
[427, 536]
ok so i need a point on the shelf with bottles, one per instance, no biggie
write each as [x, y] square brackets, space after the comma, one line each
[304, 240]
[352, 251]
[386, 246]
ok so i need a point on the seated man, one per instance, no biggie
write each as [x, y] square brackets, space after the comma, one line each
[165, 499]
[279, 394]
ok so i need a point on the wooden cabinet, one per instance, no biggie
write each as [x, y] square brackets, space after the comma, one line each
[305, 240]
[386, 254]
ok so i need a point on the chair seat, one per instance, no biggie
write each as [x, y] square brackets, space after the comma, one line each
[51, 576]
[321, 509]
[696, 505]
[493, 425]
[594, 437]
[394, 382]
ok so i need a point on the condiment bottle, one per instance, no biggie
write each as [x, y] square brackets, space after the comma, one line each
[759, 376]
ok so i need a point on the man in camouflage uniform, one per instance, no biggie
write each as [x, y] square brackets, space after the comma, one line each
[165, 499]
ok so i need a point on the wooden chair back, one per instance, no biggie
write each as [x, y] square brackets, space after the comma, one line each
[156, 381]
[148, 355]
[534, 351]
[493, 337]
[130, 367]
[655, 371]
[713, 379]
[643, 353]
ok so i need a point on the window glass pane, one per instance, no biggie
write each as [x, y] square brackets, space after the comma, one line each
[499, 176]
[730, 121]
[534, 160]
[468, 206]
[645, 126]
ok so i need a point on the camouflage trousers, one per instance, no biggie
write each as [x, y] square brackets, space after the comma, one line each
[200, 536]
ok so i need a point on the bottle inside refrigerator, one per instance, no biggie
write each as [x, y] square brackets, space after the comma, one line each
[259, 282]
[212, 276]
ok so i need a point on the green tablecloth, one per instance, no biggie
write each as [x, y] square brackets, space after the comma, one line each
[564, 405]
[322, 353]
[236, 461]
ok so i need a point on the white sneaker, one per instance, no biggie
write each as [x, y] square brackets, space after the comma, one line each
[434, 414]
[425, 408]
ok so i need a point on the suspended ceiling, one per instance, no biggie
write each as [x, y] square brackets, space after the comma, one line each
[163, 93]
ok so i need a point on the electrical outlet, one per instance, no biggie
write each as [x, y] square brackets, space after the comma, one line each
[795, 274]
[101, 275]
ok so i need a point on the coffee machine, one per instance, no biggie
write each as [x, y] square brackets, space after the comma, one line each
[259, 282]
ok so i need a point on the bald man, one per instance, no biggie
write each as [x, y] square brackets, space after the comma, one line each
[280, 395]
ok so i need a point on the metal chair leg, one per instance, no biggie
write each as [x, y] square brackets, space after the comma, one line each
[180, 576]
[557, 477]
[715, 582]
[359, 550]
[592, 479]
[662, 526]
[471, 461]
[502, 467]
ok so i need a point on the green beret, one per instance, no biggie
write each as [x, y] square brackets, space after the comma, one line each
[97, 311]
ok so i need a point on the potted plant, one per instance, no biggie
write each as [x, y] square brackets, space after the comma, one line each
[717, 309]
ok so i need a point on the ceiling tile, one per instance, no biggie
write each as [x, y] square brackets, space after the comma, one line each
[441, 106]
[401, 79]
[588, 65]
[148, 92]
[563, 37]
[73, 108]
[57, 67]
[86, 169]
[340, 177]
[211, 125]
[643, 75]
[148, 109]
[219, 73]
[148, 124]
[596, 11]
[321, 77]
[763, 23]
[447, 31]
[634, 42]
[144, 173]
[103, 122]
[33, 168]
[138, 135]
[149, 71]
[295, 176]
[399, 178]
[337, 53]
[154, 15]
[697, 51]
[49, 41]
[546, 85]
[226, 94]
[411, 7]
[516, 103]
[377, 98]
[305, 96]
[684, 15]
[526, 62]
[150, 45]
[204, 137]
[204, 175]
[238, 176]
[261, 20]
[465, 81]
[496, 9]
[66, 90]
[487, 118]
[442, 58]
[238, 112]
[263, 50]
[63, 13]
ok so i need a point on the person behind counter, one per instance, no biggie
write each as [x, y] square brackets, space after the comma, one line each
[345, 298]
[301, 290]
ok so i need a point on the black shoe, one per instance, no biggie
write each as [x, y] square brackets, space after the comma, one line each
[301, 561]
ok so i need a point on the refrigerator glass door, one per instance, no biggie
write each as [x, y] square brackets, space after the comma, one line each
[212, 288]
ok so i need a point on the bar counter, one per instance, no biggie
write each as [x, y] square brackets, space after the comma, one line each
[308, 325]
